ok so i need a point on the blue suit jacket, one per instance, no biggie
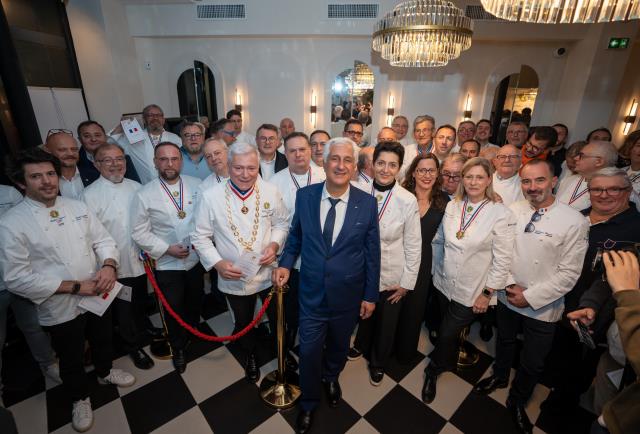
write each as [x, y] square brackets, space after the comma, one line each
[349, 271]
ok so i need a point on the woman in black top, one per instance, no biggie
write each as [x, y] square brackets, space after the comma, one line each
[423, 180]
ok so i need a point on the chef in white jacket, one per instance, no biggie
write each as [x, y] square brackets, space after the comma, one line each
[248, 219]
[551, 240]
[215, 153]
[161, 220]
[141, 152]
[299, 174]
[471, 256]
[401, 249]
[110, 197]
[506, 181]
[55, 252]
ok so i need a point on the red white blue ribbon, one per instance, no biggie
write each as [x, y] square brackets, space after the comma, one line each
[464, 226]
[295, 181]
[178, 205]
[577, 195]
[382, 208]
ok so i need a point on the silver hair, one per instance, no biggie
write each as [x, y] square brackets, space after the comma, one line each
[151, 106]
[339, 141]
[424, 118]
[240, 148]
[610, 172]
[213, 139]
[607, 151]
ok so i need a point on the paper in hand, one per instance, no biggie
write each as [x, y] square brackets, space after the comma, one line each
[133, 130]
[249, 264]
[99, 304]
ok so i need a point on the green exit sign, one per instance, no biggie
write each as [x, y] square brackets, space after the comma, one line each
[618, 43]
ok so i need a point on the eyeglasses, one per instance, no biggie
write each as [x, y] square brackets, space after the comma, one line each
[583, 155]
[423, 131]
[154, 115]
[264, 139]
[109, 161]
[192, 136]
[59, 131]
[508, 157]
[530, 227]
[611, 191]
[353, 133]
[423, 171]
[451, 176]
[229, 133]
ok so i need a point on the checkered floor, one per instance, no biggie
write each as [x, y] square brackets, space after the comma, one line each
[212, 396]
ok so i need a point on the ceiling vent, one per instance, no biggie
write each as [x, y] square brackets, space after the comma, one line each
[220, 12]
[352, 11]
[477, 13]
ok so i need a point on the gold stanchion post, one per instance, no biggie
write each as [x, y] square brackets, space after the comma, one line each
[160, 347]
[279, 389]
[467, 355]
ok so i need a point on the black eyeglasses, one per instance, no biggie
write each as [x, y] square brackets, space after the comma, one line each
[58, 131]
[530, 227]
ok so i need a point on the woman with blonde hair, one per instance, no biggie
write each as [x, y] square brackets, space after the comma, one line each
[471, 259]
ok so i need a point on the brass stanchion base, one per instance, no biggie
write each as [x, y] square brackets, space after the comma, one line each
[280, 395]
[160, 349]
[467, 355]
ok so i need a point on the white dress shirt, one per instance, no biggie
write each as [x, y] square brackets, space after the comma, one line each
[156, 226]
[463, 267]
[400, 238]
[244, 137]
[283, 181]
[548, 261]
[211, 181]
[40, 247]
[267, 168]
[509, 189]
[212, 224]
[341, 210]
[71, 188]
[141, 153]
[111, 203]
[404, 141]
[9, 197]
[574, 192]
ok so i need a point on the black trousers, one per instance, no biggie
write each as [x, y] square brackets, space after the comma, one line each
[184, 291]
[130, 316]
[68, 340]
[291, 310]
[243, 307]
[376, 335]
[410, 321]
[456, 317]
[538, 339]
[435, 308]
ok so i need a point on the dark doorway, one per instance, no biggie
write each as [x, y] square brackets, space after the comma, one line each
[197, 93]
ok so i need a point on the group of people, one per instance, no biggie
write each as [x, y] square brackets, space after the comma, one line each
[439, 227]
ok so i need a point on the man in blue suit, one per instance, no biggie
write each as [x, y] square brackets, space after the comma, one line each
[335, 230]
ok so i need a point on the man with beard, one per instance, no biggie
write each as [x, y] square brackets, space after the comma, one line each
[550, 244]
[506, 181]
[64, 147]
[192, 156]
[538, 144]
[142, 152]
[110, 197]
[161, 221]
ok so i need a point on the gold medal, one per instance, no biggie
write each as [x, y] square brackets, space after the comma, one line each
[181, 214]
[244, 209]
[267, 205]
[175, 194]
[379, 197]
[54, 214]
[459, 235]
[469, 208]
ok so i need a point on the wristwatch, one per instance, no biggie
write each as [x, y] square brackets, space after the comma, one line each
[486, 292]
[76, 287]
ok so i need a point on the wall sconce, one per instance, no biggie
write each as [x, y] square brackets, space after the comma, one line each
[467, 108]
[630, 119]
[391, 111]
[313, 109]
[238, 100]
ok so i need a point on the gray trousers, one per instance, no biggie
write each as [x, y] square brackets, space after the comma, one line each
[27, 320]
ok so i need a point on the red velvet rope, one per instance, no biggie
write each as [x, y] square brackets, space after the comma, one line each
[194, 331]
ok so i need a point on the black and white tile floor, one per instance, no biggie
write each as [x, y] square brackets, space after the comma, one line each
[212, 396]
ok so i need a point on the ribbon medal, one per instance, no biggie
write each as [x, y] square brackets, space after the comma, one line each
[242, 196]
[295, 181]
[172, 195]
[382, 204]
[577, 195]
[54, 214]
[466, 210]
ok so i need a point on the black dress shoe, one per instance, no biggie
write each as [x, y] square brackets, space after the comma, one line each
[179, 361]
[141, 359]
[334, 393]
[376, 375]
[251, 371]
[429, 388]
[519, 417]
[486, 332]
[489, 384]
[303, 423]
[290, 363]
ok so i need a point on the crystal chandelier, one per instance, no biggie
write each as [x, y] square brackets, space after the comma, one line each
[422, 33]
[563, 11]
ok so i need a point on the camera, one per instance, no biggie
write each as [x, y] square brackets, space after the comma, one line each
[559, 52]
[606, 246]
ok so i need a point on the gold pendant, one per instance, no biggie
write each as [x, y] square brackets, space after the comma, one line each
[379, 197]
[267, 205]
[469, 209]
[175, 194]
[181, 214]
[244, 209]
[54, 214]
[459, 235]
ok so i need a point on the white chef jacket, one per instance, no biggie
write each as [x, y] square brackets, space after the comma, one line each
[72, 188]
[462, 268]
[111, 203]
[548, 261]
[404, 141]
[400, 238]
[211, 224]
[141, 153]
[245, 137]
[410, 153]
[38, 251]
[283, 181]
[9, 197]
[210, 181]
[268, 168]
[509, 189]
[155, 224]
[574, 192]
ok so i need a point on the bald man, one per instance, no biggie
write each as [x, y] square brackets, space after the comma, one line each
[386, 134]
[364, 175]
[65, 148]
[286, 127]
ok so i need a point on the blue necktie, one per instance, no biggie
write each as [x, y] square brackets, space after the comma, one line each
[329, 223]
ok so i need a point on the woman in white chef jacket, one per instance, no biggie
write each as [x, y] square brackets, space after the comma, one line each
[401, 248]
[471, 258]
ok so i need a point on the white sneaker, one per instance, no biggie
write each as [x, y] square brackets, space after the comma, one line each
[118, 377]
[82, 415]
[53, 373]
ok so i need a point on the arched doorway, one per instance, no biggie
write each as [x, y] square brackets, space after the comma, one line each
[352, 93]
[197, 93]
